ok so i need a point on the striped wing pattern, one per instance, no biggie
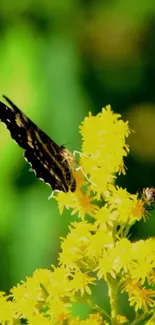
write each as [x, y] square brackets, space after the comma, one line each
[51, 163]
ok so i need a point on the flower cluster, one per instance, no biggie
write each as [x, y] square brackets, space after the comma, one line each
[97, 247]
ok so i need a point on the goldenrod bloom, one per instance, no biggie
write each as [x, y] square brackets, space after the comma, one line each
[97, 247]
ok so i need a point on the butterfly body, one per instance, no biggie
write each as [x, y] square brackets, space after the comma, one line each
[149, 196]
[51, 163]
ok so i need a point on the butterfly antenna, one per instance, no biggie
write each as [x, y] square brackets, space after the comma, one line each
[9, 101]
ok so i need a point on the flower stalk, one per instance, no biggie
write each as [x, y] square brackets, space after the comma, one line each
[113, 298]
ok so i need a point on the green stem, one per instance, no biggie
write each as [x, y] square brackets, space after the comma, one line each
[139, 318]
[113, 296]
[100, 310]
[95, 307]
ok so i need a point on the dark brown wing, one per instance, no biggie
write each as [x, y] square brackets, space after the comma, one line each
[44, 155]
[42, 173]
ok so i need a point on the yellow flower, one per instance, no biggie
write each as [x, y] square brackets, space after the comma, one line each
[122, 257]
[117, 258]
[81, 282]
[79, 203]
[103, 146]
[59, 310]
[130, 286]
[75, 244]
[144, 253]
[94, 319]
[143, 299]
[95, 247]
[40, 320]
[83, 205]
[59, 285]
[105, 266]
[100, 240]
[121, 319]
[7, 310]
[26, 299]
[127, 206]
[40, 276]
[65, 200]
[138, 210]
[106, 215]
[140, 297]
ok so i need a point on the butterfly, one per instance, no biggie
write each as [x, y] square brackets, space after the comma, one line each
[51, 163]
[148, 197]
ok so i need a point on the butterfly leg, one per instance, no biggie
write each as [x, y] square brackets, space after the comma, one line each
[80, 168]
[77, 152]
[52, 194]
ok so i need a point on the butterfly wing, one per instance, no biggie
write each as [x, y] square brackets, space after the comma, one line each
[43, 154]
[42, 172]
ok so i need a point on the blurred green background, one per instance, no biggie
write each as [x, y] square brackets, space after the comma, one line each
[58, 60]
